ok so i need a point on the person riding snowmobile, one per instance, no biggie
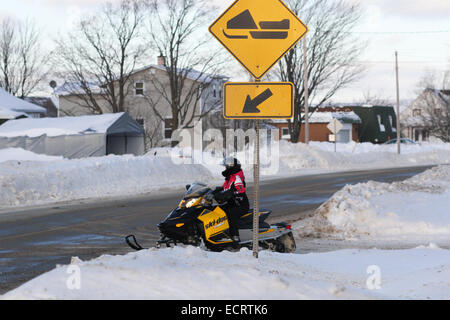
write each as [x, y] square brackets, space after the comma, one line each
[233, 192]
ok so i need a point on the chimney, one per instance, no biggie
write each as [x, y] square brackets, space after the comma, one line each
[161, 60]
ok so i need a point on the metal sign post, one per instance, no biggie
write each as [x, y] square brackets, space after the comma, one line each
[335, 126]
[398, 104]
[335, 136]
[258, 34]
[256, 192]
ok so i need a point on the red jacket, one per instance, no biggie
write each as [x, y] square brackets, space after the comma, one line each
[238, 180]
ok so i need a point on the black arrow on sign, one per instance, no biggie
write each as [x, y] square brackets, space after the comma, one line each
[251, 104]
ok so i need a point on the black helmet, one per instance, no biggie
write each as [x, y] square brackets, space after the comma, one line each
[230, 162]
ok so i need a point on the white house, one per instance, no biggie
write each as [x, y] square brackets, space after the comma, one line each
[419, 118]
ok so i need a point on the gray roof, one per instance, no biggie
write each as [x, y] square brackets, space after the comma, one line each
[12, 103]
[69, 88]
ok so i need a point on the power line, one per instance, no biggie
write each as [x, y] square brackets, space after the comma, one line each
[399, 32]
[388, 32]
[415, 62]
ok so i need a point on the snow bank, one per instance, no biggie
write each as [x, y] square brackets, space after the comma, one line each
[350, 156]
[191, 273]
[34, 183]
[286, 159]
[417, 208]
[18, 154]
[47, 181]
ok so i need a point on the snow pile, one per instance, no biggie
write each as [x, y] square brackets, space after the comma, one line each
[417, 208]
[47, 181]
[34, 183]
[193, 274]
[286, 159]
[349, 156]
[18, 154]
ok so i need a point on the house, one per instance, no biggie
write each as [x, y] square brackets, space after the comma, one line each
[49, 103]
[148, 100]
[363, 123]
[378, 125]
[318, 122]
[12, 107]
[420, 119]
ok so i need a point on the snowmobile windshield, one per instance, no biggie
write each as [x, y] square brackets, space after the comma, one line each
[196, 190]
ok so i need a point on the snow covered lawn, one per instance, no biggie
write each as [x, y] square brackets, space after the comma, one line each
[191, 273]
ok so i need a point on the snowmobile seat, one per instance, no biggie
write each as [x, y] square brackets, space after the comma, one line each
[246, 220]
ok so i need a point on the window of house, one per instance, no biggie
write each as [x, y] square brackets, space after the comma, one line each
[167, 128]
[417, 112]
[380, 122]
[285, 133]
[139, 88]
[391, 120]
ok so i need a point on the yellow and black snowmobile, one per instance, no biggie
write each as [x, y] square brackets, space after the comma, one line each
[199, 220]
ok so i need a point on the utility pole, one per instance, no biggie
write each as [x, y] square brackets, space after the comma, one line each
[398, 103]
[305, 80]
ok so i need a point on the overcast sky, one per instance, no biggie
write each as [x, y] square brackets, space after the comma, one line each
[418, 29]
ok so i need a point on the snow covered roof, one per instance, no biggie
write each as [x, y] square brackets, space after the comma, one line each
[326, 117]
[9, 114]
[59, 126]
[74, 88]
[12, 103]
[444, 95]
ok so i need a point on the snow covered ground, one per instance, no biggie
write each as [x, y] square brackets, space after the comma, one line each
[19, 155]
[402, 211]
[39, 182]
[191, 273]
[28, 179]
[417, 209]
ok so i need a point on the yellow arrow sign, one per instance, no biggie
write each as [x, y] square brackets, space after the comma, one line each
[258, 100]
[258, 33]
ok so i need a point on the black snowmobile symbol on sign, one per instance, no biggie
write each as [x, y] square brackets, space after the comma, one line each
[244, 21]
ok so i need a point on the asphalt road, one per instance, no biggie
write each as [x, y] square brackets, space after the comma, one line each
[33, 241]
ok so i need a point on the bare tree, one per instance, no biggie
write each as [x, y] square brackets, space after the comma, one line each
[375, 99]
[177, 31]
[97, 59]
[332, 51]
[21, 57]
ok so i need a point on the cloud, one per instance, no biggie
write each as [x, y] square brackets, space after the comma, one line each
[412, 8]
[76, 2]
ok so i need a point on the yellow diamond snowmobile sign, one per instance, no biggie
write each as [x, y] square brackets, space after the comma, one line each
[258, 33]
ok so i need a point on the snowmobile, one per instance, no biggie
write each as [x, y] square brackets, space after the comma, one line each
[199, 220]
